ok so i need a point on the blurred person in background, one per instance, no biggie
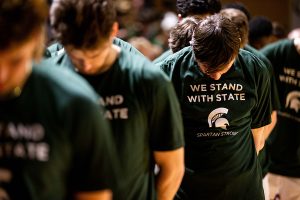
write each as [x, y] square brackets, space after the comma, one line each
[199, 8]
[239, 6]
[260, 32]
[278, 31]
[142, 44]
[284, 148]
[180, 37]
[192, 8]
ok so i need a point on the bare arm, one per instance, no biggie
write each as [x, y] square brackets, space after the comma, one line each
[96, 195]
[259, 139]
[269, 127]
[171, 165]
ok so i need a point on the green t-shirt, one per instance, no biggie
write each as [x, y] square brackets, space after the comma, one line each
[284, 142]
[218, 115]
[145, 116]
[274, 90]
[56, 48]
[53, 140]
[263, 154]
[162, 57]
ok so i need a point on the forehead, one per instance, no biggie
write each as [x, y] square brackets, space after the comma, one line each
[16, 50]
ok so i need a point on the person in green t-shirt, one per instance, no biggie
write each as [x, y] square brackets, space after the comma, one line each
[224, 94]
[191, 9]
[240, 19]
[140, 101]
[54, 141]
[284, 142]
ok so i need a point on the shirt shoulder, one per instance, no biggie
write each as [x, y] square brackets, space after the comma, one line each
[181, 60]
[53, 50]
[139, 67]
[62, 83]
[126, 46]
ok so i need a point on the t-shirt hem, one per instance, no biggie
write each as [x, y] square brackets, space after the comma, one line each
[284, 173]
[168, 148]
[253, 126]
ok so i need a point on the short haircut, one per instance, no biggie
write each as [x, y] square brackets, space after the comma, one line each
[259, 27]
[240, 20]
[82, 24]
[181, 34]
[278, 30]
[215, 42]
[20, 19]
[197, 7]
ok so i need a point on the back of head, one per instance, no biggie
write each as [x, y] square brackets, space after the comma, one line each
[215, 41]
[279, 31]
[260, 29]
[240, 6]
[82, 23]
[240, 20]
[181, 34]
[198, 7]
[20, 20]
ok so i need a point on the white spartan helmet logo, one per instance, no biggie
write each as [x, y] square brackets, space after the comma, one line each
[293, 101]
[217, 118]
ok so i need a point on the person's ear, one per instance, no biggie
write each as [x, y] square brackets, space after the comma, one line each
[114, 30]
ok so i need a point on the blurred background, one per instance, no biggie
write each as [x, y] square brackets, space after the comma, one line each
[146, 23]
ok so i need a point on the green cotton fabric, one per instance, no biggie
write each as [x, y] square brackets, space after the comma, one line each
[284, 142]
[144, 112]
[162, 57]
[218, 115]
[54, 141]
[263, 155]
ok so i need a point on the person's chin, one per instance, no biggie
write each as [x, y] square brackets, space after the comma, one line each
[5, 93]
[86, 72]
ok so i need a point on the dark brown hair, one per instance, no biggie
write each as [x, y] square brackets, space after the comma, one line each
[181, 34]
[20, 19]
[215, 42]
[82, 23]
[240, 20]
[197, 7]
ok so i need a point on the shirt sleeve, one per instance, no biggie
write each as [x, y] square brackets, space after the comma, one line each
[165, 116]
[94, 155]
[274, 91]
[261, 114]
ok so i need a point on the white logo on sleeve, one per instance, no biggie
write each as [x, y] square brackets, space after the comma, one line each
[293, 100]
[217, 118]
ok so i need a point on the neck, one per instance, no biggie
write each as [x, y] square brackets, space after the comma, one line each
[17, 90]
[111, 58]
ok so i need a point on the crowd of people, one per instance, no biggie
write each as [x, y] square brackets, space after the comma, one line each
[209, 113]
